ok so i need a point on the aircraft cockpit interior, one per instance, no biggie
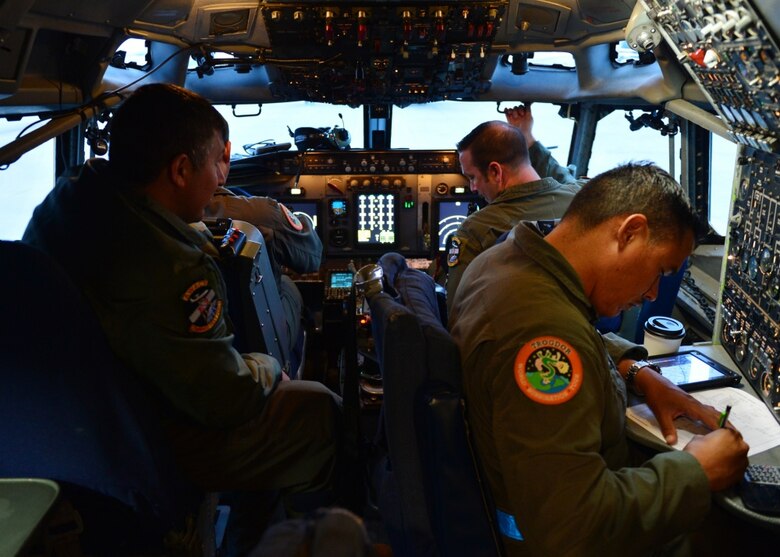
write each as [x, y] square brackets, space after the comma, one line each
[348, 116]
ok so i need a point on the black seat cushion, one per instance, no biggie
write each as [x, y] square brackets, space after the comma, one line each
[69, 410]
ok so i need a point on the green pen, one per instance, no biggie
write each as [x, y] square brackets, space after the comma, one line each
[724, 416]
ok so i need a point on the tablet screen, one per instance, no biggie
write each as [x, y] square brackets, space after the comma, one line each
[695, 371]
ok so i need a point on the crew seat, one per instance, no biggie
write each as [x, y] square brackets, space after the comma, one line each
[72, 413]
[254, 301]
[430, 494]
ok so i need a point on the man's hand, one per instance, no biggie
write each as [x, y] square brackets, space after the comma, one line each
[521, 118]
[668, 401]
[722, 454]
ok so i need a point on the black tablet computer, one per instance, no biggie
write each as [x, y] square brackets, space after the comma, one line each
[693, 371]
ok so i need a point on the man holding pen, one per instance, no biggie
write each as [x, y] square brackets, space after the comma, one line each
[546, 402]
[724, 416]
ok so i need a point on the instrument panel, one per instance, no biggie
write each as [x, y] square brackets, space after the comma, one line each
[733, 57]
[381, 52]
[366, 203]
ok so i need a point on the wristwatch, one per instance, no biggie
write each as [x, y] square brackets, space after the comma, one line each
[634, 368]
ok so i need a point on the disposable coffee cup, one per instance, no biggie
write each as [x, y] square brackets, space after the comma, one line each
[663, 335]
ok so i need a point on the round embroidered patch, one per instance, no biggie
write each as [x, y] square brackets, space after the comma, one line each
[294, 221]
[206, 308]
[548, 370]
[454, 254]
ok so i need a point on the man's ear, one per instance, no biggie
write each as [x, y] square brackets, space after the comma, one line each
[632, 228]
[226, 154]
[179, 170]
[495, 170]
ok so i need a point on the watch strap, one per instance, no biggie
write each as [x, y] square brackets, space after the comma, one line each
[634, 368]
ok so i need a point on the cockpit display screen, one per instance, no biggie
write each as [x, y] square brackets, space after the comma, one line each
[375, 218]
[338, 207]
[340, 279]
[451, 215]
[308, 207]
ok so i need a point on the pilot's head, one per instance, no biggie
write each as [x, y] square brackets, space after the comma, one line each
[624, 230]
[173, 144]
[490, 155]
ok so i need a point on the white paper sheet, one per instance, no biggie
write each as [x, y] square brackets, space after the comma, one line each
[748, 414]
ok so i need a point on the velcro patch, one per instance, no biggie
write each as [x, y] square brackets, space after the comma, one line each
[294, 221]
[206, 308]
[548, 370]
[453, 255]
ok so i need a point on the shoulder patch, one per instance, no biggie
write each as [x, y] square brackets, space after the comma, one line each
[294, 221]
[548, 370]
[205, 307]
[453, 256]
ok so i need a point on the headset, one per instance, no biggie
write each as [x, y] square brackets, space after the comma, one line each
[321, 139]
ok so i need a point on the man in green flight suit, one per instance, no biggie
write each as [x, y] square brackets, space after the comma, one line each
[121, 231]
[504, 164]
[546, 402]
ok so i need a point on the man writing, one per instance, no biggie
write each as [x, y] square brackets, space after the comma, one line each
[547, 403]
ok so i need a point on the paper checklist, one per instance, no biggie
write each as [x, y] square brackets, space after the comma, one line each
[748, 414]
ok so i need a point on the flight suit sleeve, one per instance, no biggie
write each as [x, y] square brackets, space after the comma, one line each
[547, 167]
[177, 337]
[291, 238]
[620, 348]
[565, 498]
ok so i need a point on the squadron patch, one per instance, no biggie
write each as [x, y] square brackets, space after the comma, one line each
[548, 370]
[294, 221]
[206, 308]
[454, 254]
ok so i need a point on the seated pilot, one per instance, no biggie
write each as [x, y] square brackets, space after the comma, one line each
[233, 422]
[516, 175]
[291, 239]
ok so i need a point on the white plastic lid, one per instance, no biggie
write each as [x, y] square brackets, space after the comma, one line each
[664, 327]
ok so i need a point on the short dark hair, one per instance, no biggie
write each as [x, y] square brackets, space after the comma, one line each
[637, 187]
[157, 123]
[495, 141]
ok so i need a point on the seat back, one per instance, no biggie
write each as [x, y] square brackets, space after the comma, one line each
[69, 410]
[254, 302]
[432, 500]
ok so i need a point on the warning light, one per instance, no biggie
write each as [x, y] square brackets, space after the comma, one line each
[408, 204]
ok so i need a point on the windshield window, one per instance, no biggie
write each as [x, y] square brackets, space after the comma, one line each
[723, 160]
[25, 183]
[247, 127]
[441, 125]
[437, 125]
[616, 144]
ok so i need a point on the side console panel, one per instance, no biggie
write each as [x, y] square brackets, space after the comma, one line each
[750, 303]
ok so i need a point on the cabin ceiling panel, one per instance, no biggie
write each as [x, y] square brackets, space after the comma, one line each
[562, 22]
[118, 13]
[600, 12]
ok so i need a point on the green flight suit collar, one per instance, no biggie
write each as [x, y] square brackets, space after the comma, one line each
[528, 188]
[529, 240]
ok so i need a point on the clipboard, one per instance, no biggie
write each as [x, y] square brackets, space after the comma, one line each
[693, 371]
